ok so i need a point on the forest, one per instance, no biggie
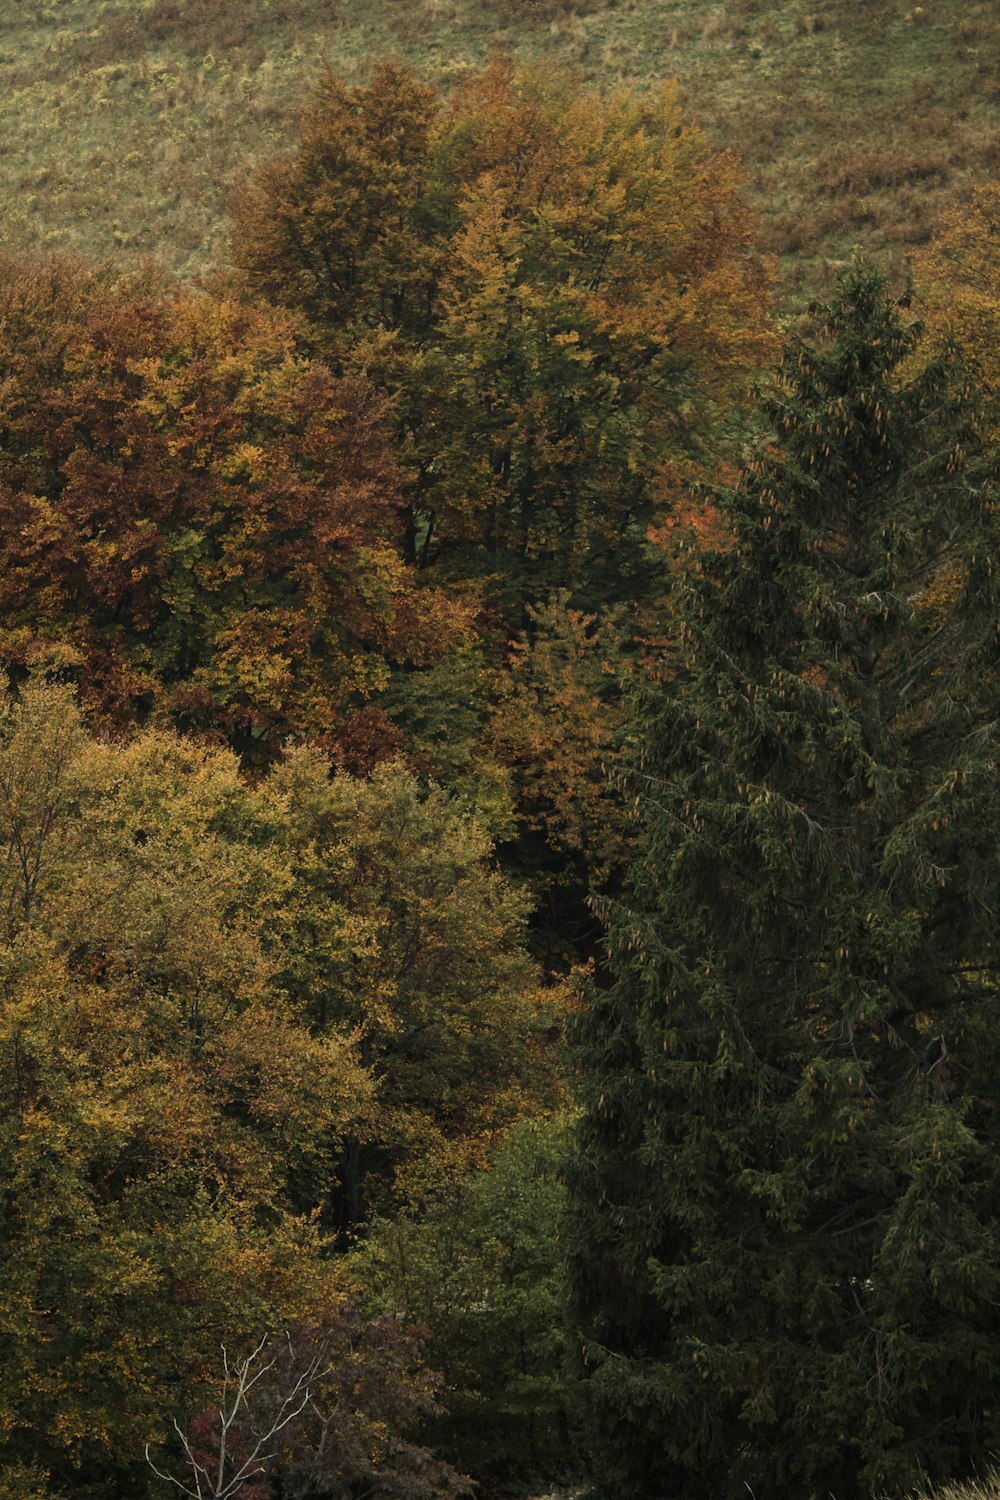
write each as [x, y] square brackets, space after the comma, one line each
[499, 738]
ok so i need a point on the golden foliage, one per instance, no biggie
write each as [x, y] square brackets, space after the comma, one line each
[212, 993]
[959, 280]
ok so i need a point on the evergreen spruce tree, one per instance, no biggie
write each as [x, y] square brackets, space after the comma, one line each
[784, 1241]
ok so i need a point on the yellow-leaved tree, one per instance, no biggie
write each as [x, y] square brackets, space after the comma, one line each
[156, 1088]
[958, 278]
[218, 1000]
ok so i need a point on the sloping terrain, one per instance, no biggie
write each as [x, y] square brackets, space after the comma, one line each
[124, 124]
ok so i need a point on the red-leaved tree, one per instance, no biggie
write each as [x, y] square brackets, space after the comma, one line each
[324, 1409]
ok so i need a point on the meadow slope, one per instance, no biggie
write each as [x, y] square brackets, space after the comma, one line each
[124, 124]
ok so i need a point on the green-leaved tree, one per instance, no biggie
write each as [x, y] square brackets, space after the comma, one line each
[784, 1237]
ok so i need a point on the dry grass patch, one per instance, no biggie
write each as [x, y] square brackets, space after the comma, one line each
[127, 124]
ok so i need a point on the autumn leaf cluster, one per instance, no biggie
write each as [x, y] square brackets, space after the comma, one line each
[231, 1012]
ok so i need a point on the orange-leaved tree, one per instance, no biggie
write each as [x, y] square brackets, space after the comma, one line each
[959, 284]
[197, 520]
[556, 287]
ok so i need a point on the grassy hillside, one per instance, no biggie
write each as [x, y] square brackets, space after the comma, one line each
[124, 123]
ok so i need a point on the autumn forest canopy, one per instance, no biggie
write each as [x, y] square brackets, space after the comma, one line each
[498, 829]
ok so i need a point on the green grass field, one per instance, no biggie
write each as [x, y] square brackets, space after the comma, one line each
[125, 123]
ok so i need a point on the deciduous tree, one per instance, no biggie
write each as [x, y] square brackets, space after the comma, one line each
[555, 287]
[324, 1409]
[483, 1267]
[198, 521]
[394, 922]
[960, 284]
[159, 1091]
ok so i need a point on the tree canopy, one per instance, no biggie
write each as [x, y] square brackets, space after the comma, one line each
[420, 598]
[554, 286]
[221, 1001]
[199, 521]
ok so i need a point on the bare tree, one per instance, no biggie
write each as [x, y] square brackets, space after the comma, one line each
[246, 1428]
[325, 1408]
